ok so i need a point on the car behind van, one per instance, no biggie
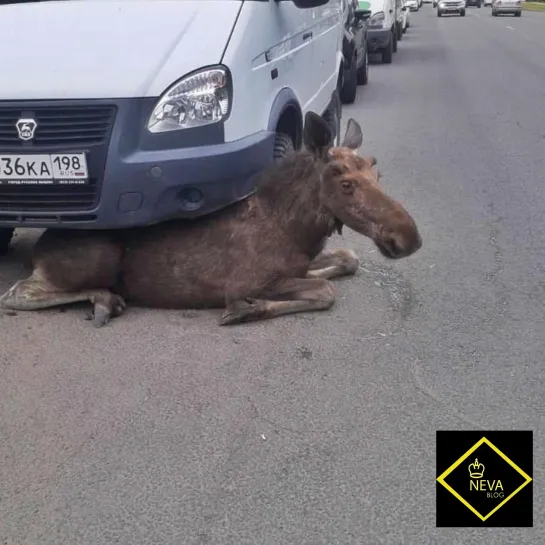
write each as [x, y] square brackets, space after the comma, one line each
[122, 113]
[382, 28]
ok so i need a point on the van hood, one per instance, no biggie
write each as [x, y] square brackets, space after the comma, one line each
[75, 49]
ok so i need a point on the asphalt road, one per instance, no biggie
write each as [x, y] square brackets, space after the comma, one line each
[166, 429]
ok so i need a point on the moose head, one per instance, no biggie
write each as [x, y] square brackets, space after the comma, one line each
[350, 190]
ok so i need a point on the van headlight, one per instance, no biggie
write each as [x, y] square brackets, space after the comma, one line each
[200, 98]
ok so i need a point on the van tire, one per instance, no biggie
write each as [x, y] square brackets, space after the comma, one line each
[394, 40]
[6, 234]
[387, 52]
[332, 116]
[283, 145]
[350, 84]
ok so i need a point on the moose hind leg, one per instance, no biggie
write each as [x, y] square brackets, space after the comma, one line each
[35, 293]
[290, 297]
[333, 264]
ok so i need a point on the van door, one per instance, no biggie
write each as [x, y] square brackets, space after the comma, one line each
[328, 50]
[271, 48]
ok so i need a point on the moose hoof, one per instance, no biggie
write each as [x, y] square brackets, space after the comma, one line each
[102, 313]
[246, 310]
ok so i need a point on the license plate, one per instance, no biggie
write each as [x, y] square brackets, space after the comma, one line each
[50, 169]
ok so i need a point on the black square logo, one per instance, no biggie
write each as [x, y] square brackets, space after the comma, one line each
[484, 479]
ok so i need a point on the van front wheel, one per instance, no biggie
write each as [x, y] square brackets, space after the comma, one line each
[283, 145]
[6, 235]
[332, 116]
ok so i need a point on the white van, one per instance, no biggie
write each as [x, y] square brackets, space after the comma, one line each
[382, 28]
[119, 113]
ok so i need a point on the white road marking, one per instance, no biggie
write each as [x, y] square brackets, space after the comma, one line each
[509, 27]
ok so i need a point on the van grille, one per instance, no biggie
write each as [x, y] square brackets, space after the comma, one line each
[70, 126]
[61, 128]
[50, 197]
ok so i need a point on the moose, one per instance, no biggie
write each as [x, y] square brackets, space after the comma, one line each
[259, 258]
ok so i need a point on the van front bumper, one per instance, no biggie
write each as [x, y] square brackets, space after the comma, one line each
[378, 39]
[136, 178]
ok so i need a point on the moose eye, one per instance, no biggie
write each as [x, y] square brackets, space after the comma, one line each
[347, 186]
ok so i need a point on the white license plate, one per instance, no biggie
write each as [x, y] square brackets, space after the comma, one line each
[53, 169]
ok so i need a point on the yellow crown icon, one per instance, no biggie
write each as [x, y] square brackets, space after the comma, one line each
[476, 470]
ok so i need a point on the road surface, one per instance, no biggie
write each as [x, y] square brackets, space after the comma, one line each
[166, 429]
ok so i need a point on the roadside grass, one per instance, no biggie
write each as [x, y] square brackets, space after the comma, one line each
[533, 6]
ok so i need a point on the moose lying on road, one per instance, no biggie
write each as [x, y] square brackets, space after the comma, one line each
[259, 258]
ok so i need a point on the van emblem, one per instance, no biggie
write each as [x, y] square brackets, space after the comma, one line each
[26, 128]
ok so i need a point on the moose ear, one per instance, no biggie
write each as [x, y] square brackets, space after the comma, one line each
[353, 137]
[317, 135]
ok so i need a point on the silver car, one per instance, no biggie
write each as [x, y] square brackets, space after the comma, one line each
[451, 6]
[500, 7]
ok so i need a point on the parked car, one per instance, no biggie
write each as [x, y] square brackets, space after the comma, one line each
[406, 16]
[169, 111]
[500, 7]
[451, 6]
[487, 2]
[400, 18]
[477, 3]
[382, 31]
[413, 5]
[356, 58]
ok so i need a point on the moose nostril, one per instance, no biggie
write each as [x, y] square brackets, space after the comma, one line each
[392, 247]
[396, 248]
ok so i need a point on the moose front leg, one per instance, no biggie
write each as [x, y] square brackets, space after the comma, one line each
[34, 293]
[333, 263]
[287, 297]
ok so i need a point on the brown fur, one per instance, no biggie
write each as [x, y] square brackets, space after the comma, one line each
[258, 258]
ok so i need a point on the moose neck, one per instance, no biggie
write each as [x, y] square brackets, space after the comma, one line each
[292, 194]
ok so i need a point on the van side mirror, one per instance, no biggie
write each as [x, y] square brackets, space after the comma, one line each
[303, 4]
[362, 14]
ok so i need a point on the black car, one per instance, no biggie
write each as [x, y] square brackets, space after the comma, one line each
[356, 59]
